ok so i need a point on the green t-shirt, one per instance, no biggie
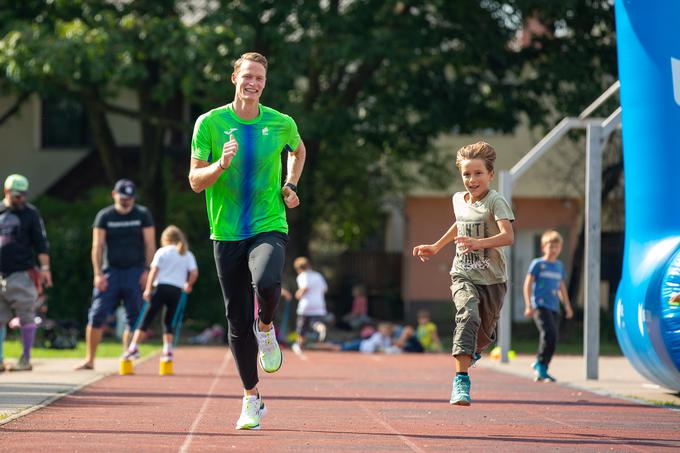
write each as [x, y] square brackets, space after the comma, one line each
[246, 198]
[479, 220]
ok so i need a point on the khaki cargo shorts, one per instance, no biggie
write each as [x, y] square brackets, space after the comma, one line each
[18, 295]
[478, 308]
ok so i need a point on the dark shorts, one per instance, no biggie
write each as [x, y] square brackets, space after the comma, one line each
[305, 323]
[123, 286]
[166, 298]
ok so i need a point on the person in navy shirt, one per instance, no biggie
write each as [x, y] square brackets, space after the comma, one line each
[544, 288]
[123, 244]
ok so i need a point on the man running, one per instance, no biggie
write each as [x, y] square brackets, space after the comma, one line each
[236, 157]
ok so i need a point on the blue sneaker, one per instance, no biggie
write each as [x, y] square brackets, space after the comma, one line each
[541, 373]
[475, 358]
[460, 394]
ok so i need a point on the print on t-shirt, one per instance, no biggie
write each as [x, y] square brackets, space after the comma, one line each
[477, 259]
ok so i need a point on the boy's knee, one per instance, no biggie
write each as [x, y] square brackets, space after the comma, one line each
[469, 319]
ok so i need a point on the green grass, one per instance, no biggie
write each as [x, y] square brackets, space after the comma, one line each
[107, 349]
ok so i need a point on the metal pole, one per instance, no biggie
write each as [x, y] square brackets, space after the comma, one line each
[505, 322]
[591, 267]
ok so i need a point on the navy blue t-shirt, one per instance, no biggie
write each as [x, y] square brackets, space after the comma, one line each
[22, 233]
[124, 236]
[548, 277]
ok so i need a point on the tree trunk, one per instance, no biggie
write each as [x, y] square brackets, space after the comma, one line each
[104, 141]
[151, 160]
[300, 219]
[14, 109]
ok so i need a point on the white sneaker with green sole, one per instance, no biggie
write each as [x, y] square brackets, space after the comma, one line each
[269, 354]
[251, 413]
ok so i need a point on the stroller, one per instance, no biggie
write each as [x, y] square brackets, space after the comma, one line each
[60, 334]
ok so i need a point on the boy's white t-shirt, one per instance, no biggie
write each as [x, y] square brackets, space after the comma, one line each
[313, 303]
[173, 268]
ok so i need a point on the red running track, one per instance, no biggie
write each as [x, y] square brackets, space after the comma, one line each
[337, 402]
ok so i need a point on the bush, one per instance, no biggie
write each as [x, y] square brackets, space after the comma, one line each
[69, 231]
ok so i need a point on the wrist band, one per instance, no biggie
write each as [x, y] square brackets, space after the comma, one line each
[219, 162]
[292, 186]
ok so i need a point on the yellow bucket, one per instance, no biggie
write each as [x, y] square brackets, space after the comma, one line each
[125, 367]
[165, 368]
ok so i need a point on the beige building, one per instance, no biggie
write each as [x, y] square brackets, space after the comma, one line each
[45, 139]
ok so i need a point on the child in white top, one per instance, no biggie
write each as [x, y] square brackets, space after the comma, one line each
[173, 270]
[311, 308]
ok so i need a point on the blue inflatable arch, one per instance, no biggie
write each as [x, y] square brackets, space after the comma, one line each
[647, 325]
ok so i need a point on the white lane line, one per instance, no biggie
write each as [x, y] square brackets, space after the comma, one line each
[187, 441]
[389, 427]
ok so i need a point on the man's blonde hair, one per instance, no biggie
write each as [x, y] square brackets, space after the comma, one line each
[479, 150]
[301, 263]
[551, 236]
[250, 56]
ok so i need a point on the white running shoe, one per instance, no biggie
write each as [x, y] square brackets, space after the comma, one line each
[269, 355]
[131, 355]
[251, 413]
[296, 348]
[321, 330]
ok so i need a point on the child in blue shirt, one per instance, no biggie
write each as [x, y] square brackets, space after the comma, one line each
[544, 288]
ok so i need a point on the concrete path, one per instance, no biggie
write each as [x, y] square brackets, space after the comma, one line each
[617, 377]
[25, 391]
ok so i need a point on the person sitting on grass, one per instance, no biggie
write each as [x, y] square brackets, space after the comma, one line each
[426, 333]
[388, 338]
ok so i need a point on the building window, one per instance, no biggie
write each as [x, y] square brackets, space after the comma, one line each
[63, 124]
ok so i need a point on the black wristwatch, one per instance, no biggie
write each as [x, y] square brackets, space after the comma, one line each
[292, 186]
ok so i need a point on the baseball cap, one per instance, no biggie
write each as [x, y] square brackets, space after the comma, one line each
[125, 187]
[16, 183]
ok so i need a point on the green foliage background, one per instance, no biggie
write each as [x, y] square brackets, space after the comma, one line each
[69, 230]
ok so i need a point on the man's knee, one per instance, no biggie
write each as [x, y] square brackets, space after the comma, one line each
[97, 316]
[268, 288]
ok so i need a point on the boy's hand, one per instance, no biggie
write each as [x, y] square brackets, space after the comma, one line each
[528, 312]
[568, 312]
[424, 252]
[187, 288]
[147, 295]
[467, 244]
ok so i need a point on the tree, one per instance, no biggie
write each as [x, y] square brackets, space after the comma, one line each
[569, 60]
[91, 51]
[370, 83]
